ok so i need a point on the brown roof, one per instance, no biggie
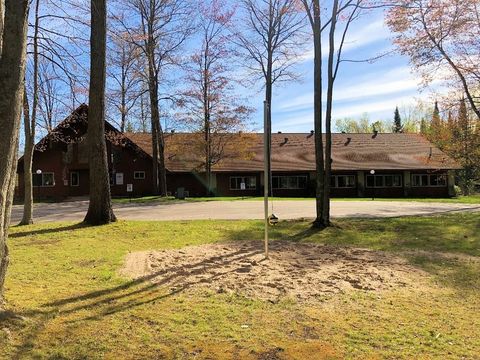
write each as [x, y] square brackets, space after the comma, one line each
[295, 152]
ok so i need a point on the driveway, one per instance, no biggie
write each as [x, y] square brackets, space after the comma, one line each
[242, 209]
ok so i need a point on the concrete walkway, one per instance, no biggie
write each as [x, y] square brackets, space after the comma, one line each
[233, 210]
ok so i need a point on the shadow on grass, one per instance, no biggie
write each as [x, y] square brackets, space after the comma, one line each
[50, 230]
[131, 294]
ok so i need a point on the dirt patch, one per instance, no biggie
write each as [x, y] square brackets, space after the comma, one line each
[300, 271]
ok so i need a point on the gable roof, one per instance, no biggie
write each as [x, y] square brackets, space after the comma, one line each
[296, 151]
[74, 127]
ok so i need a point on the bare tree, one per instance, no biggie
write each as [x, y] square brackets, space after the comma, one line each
[347, 11]
[125, 73]
[12, 74]
[100, 206]
[213, 110]
[159, 28]
[270, 40]
[313, 12]
[30, 124]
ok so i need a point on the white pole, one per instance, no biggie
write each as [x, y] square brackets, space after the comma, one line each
[266, 175]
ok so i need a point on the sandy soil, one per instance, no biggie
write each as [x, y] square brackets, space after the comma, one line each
[300, 271]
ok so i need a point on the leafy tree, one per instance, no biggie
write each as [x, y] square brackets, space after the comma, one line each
[442, 39]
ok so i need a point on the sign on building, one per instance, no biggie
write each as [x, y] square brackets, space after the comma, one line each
[119, 179]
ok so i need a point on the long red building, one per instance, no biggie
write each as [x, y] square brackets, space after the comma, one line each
[384, 165]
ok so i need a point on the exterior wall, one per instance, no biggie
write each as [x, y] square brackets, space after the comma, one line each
[223, 185]
[191, 182]
[62, 160]
[127, 162]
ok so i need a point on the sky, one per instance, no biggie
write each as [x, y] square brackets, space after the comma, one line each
[373, 88]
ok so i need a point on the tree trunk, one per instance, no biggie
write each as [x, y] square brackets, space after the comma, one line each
[100, 206]
[319, 154]
[328, 116]
[27, 165]
[12, 74]
[30, 124]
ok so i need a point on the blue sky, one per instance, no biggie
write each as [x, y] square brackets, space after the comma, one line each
[373, 88]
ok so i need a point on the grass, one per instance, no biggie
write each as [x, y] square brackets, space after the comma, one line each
[471, 199]
[63, 281]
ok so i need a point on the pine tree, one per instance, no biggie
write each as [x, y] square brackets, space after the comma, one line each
[397, 122]
[423, 127]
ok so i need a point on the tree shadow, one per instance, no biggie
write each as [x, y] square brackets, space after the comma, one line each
[50, 230]
[128, 295]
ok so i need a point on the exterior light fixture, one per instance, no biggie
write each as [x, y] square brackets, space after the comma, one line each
[372, 172]
[38, 172]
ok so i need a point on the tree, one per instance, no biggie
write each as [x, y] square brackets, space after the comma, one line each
[397, 122]
[125, 73]
[342, 14]
[269, 41]
[213, 109]
[13, 31]
[442, 39]
[313, 12]
[30, 124]
[100, 206]
[158, 28]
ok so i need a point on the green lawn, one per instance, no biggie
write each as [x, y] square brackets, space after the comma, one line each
[472, 199]
[63, 281]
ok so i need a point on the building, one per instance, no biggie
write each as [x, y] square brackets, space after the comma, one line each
[363, 165]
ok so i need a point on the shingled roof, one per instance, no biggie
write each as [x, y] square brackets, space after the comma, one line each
[295, 152]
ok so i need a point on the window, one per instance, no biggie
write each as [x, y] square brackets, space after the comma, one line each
[384, 181]
[43, 179]
[289, 182]
[432, 180]
[139, 175]
[74, 178]
[342, 181]
[243, 183]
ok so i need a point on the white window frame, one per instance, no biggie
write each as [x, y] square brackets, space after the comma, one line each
[290, 176]
[335, 178]
[135, 173]
[429, 180]
[43, 176]
[243, 179]
[78, 178]
[383, 182]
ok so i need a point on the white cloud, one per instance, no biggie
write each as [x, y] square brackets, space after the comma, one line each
[359, 36]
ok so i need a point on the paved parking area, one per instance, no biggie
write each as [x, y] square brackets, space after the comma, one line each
[242, 209]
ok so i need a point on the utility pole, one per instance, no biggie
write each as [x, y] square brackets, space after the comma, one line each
[266, 170]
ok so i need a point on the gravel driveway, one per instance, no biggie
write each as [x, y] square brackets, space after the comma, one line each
[242, 209]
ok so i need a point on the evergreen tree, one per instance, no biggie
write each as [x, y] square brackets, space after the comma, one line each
[423, 127]
[397, 122]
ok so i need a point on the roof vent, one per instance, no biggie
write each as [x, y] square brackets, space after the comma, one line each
[431, 152]
[279, 132]
[284, 141]
[343, 132]
[172, 131]
[375, 133]
[311, 134]
[349, 140]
